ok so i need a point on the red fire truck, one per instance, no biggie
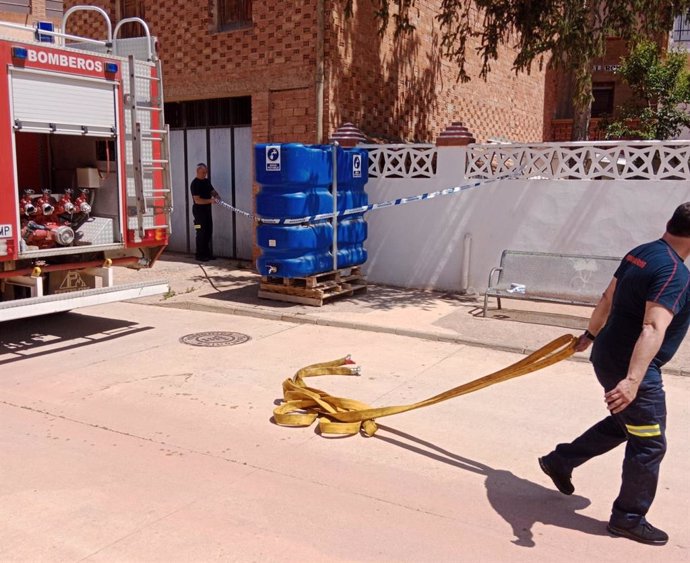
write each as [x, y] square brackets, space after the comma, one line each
[84, 165]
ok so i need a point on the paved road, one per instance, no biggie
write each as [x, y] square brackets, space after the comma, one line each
[231, 287]
[122, 444]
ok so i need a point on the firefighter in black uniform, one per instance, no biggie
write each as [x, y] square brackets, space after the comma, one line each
[204, 195]
[639, 324]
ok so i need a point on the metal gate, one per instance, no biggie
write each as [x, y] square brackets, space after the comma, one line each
[228, 153]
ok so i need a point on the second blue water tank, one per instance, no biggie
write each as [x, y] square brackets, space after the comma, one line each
[295, 182]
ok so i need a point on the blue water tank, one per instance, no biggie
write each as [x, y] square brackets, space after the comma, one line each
[311, 237]
[306, 238]
[353, 174]
[295, 181]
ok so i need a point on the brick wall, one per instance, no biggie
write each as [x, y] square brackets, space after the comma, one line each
[403, 88]
[550, 100]
[273, 60]
[390, 88]
[90, 24]
[559, 91]
[292, 115]
[615, 49]
[37, 13]
[561, 130]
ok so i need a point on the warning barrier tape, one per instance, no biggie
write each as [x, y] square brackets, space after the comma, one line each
[302, 405]
[365, 208]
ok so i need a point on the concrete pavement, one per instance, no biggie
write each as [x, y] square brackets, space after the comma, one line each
[231, 287]
[122, 444]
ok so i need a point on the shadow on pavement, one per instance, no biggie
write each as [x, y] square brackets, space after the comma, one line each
[386, 298]
[245, 295]
[40, 336]
[221, 280]
[381, 298]
[521, 503]
[234, 281]
[520, 316]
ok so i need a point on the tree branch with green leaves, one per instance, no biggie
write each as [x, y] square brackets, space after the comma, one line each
[661, 92]
[569, 34]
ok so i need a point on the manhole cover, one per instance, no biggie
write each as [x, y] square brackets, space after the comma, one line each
[215, 338]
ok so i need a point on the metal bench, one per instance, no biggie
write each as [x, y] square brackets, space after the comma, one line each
[553, 278]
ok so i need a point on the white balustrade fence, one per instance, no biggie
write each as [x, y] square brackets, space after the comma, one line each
[598, 198]
[401, 161]
[634, 160]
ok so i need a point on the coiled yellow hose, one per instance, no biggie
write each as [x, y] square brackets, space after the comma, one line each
[302, 405]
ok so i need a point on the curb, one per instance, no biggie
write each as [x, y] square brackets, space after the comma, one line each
[306, 319]
[410, 333]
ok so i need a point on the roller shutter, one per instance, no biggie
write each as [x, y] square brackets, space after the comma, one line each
[59, 104]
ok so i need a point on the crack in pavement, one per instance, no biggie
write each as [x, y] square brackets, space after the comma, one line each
[187, 377]
[421, 372]
[256, 468]
[278, 331]
[139, 529]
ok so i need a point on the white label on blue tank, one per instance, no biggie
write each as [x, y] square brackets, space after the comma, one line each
[5, 231]
[356, 165]
[272, 158]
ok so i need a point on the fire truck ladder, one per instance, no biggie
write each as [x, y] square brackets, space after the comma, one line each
[152, 178]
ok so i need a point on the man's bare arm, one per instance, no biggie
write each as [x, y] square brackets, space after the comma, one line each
[203, 201]
[599, 317]
[656, 321]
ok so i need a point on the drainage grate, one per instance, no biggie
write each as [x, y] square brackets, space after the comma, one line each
[215, 338]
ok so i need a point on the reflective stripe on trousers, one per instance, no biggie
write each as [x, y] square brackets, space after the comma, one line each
[642, 425]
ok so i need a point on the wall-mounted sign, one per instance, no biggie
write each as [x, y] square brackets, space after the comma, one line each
[605, 68]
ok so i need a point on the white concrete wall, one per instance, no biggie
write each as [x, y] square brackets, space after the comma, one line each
[421, 244]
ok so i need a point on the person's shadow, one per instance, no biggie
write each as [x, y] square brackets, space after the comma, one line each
[518, 501]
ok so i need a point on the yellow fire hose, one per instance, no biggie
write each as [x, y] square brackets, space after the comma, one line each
[302, 404]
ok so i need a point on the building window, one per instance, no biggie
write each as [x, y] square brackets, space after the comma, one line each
[603, 99]
[681, 29]
[217, 112]
[131, 9]
[55, 9]
[20, 6]
[234, 13]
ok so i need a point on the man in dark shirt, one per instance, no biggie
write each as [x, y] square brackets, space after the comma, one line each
[204, 195]
[636, 328]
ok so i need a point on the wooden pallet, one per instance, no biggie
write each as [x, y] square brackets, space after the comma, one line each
[313, 290]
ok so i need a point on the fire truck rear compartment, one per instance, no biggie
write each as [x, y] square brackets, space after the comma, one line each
[69, 201]
[74, 104]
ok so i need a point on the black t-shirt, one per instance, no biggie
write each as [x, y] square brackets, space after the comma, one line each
[202, 188]
[651, 272]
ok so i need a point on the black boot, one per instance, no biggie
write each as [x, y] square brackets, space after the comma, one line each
[559, 478]
[643, 532]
